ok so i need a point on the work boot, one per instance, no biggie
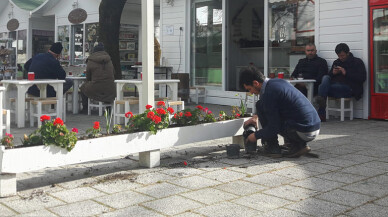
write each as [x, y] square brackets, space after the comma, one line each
[271, 149]
[296, 151]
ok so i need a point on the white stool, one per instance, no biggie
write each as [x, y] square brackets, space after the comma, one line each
[97, 104]
[341, 109]
[7, 125]
[177, 106]
[127, 107]
[198, 93]
[27, 106]
[38, 106]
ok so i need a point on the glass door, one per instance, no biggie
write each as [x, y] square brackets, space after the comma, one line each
[77, 53]
[380, 50]
[206, 43]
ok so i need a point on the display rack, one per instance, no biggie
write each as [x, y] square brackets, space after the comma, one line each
[128, 46]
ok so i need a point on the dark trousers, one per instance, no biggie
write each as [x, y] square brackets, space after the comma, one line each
[50, 90]
[289, 134]
[333, 89]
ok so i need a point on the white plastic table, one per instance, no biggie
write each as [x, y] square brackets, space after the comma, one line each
[309, 84]
[22, 87]
[172, 84]
[77, 82]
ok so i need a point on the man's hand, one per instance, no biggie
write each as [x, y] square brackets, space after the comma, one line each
[251, 138]
[253, 120]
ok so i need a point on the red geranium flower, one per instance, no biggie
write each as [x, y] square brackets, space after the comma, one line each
[199, 107]
[44, 118]
[175, 116]
[185, 163]
[209, 112]
[170, 110]
[180, 114]
[58, 121]
[160, 111]
[188, 114]
[9, 135]
[129, 115]
[157, 119]
[148, 106]
[237, 115]
[150, 115]
[96, 125]
[161, 103]
[75, 130]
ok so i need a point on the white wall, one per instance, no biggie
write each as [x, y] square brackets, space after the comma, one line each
[174, 16]
[344, 21]
[21, 15]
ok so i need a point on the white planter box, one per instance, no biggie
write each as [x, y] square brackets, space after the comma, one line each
[26, 159]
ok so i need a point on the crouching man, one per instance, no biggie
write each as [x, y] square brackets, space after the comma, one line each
[281, 109]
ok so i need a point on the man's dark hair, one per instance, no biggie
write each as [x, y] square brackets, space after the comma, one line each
[250, 74]
[310, 44]
[342, 47]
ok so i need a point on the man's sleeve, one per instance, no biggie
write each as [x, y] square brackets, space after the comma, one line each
[27, 65]
[359, 73]
[61, 74]
[322, 70]
[296, 70]
[273, 119]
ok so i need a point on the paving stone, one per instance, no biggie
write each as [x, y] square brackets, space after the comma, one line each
[370, 210]
[77, 183]
[116, 186]
[151, 178]
[342, 177]
[4, 211]
[262, 202]
[238, 161]
[358, 158]
[338, 162]
[269, 179]
[290, 192]
[161, 190]
[137, 211]
[227, 209]
[283, 213]
[182, 172]
[316, 207]
[252, 169]
[195, 182]
[82, 194]
[188, 214]
[34, 203]
[319, 167]
[343, 150]
[123, 199]
[295, 173]
[241, 187]
[317, 184]
[368, 188]
[83, 208]
[363, 171]
[209, 195]
[172, 205]
[377, 165]
[39, 213]
[382, 202]
[211, 165]
[223, 175]
[347, 198]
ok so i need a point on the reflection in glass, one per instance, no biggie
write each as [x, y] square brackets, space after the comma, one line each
[206, 46]
[21, 46]
[77, 56]
[63, 37]
[380, 48]
[291, 27]
[91, 37]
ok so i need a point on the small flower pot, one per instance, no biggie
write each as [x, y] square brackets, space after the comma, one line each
[233, 151]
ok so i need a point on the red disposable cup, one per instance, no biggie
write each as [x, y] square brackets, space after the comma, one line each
[31, 76]
[70, 73]
[281, 75]
[141, 75]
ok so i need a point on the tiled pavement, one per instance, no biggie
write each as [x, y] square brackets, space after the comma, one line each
[350, 178]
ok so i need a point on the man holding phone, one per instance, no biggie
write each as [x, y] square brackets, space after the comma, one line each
[344, 80]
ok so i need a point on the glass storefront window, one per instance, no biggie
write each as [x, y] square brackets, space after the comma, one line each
[206, 46]
[91, 37]
[291, 26]
[21, 46]
[77, 55]
[63, 37]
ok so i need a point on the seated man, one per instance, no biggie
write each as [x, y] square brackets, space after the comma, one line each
[283, 110]
[311, 67]
[47, 66]
[344, 80]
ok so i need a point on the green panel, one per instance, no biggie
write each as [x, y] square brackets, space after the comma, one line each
[28, 5]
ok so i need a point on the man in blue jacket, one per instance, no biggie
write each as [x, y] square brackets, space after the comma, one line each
[345, 79]
[281, 109]
[47, 66]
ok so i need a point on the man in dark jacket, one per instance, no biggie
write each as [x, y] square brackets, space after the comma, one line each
[283, 110]
[47, 66]
[311, 67]
[344, 80]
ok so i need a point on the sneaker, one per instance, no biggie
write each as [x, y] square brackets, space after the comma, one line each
[322, 113]
[296, 153]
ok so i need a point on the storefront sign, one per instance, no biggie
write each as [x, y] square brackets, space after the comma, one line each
[77, 16]
[13, 25]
